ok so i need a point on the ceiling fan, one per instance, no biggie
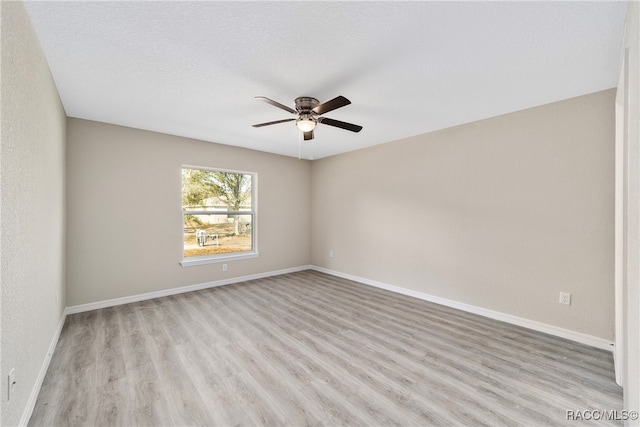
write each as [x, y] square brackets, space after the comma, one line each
[309, 112]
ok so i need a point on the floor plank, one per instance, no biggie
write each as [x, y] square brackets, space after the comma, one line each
[311, 349]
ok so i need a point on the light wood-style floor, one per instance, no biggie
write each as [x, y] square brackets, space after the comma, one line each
[311, 349]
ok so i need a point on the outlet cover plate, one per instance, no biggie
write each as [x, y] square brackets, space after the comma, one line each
[11, 380]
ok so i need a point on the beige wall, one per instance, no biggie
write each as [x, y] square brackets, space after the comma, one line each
[501, 214]
[124, 216]
[33, 211]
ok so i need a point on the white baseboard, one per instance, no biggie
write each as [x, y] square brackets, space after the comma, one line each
[590, 340]
[35, 391]
[515, 320]
[174, 291]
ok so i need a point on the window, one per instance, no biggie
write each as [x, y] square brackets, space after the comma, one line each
[218, 215]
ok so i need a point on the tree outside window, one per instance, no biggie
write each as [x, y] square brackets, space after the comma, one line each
[218, 213]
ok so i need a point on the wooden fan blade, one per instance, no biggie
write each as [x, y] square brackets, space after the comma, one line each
[276, 104]
[308, 135]
[259, 125]
[337, 102]
[339, 124]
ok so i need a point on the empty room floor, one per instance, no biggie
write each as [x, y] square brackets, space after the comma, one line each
[307, 348]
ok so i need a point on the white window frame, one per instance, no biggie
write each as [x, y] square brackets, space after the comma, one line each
[231, 256]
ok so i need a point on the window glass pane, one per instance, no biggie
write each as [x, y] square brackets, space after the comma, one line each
[214, 205]
[215, 190]
[211, 234]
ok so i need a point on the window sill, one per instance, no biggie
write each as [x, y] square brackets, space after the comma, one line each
[217, 259]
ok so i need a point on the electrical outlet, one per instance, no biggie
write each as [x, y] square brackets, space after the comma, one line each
[224, 267]
[565, 298]
[330, 254]
[11, 380]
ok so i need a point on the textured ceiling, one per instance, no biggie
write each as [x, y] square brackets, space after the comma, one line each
[193, 68]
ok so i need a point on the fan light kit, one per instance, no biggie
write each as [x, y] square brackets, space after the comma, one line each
[309, 112]
[306, 124]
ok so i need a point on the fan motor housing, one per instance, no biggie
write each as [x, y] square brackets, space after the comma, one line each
[305, 104]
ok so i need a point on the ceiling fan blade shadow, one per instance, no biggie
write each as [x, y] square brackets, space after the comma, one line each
[337, 102]
[339, 124]
[259, 125]
[308, 135]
